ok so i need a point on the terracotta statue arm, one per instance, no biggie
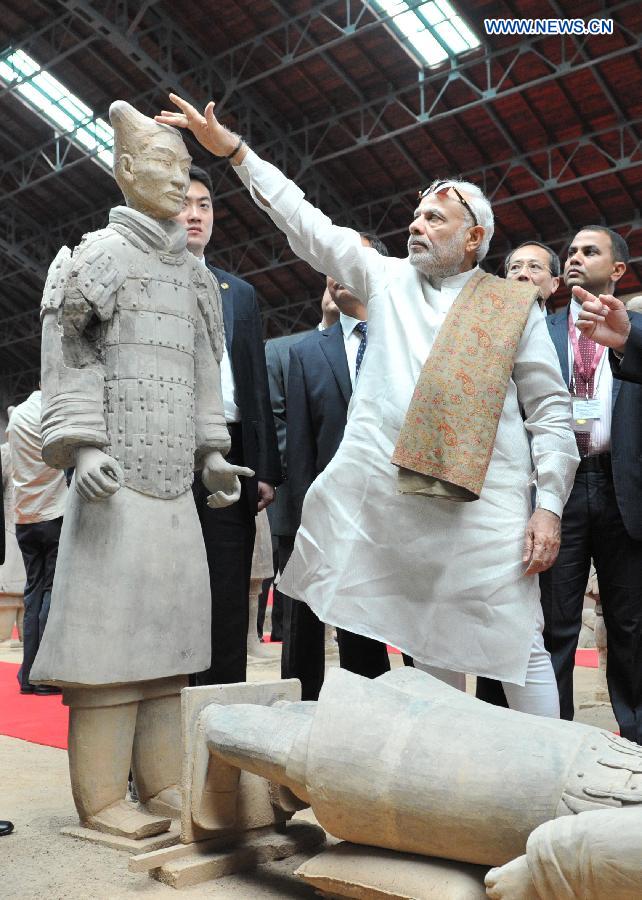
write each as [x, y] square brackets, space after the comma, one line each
[210, 429]
[594, 854]
[212, 436]
[77, 297]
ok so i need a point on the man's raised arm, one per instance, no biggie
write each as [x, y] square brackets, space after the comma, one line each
[328, 248]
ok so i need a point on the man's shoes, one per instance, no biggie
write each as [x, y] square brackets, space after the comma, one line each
[5, 827]
[42, 690]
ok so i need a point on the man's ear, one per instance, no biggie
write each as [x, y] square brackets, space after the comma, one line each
[475, 238]
[555, 283]
[124, 168]
[619, 268]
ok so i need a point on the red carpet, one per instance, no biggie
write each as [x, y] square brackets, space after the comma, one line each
[588, 658]
[40, 720]
[43, 720]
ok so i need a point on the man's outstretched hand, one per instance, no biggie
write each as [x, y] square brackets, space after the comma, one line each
[205, 127]
[542, 541]
[603, 319]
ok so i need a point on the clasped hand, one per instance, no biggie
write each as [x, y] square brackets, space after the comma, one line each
[542, 541]
[222, 479]
[97, 475]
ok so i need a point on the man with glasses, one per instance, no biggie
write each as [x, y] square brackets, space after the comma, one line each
[420, 532]
[538, 264]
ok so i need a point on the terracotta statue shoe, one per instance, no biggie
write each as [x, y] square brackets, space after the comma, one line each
[166, 802]
[125, 819]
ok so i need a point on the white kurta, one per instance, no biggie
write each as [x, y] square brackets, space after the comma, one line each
[443, 581]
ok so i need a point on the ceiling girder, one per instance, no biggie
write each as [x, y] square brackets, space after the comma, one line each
[158, 48]
[360, 125]
[548, 168]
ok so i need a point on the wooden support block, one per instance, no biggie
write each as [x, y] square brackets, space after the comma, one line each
[251, 849]
[115, 842]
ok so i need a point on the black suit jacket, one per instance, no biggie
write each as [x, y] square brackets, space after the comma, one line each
[244, 341]
[319, 391]
[626, 424]
[283, 521]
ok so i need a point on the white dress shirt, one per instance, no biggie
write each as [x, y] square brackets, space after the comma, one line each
[352, 341]
[603, 390]
[40, 492]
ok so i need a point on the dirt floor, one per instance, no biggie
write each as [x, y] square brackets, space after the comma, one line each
[37, 862]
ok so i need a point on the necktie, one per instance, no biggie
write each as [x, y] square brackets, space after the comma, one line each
[584, 388]
[362, 328]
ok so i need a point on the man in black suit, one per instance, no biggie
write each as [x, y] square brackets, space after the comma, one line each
[323, 370]
[283, 520]
[603, 516]
[229, 533]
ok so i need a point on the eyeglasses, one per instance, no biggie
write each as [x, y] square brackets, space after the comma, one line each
[535, 268]
[446, 186]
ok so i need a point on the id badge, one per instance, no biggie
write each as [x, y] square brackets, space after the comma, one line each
[585, 412]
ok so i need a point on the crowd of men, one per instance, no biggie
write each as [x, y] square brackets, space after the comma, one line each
[287, 405]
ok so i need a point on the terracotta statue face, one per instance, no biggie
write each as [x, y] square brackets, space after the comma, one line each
[155, 178]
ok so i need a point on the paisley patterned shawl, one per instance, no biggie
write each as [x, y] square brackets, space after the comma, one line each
[446, 441]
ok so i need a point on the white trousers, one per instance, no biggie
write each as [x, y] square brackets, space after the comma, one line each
[538, 696]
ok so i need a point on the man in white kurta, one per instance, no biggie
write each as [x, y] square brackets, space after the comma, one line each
[441, 580]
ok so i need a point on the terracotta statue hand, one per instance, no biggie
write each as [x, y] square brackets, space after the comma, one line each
[206, 128]
[97, 475]
[603, 319]
[222, 478]
[511, 882]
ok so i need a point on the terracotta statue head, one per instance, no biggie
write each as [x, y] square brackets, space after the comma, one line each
[151, 162]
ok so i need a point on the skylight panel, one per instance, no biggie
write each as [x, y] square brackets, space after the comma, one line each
[51, 100]
[431, 31]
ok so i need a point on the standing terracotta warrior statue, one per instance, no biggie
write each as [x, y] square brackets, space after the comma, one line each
[132, 340]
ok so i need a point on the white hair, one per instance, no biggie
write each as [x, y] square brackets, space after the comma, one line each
[481, 207]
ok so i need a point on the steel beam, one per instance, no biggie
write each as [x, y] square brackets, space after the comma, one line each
[19, 384]
[549, 169]
[57, 33]
[159, 66]
[302, 147]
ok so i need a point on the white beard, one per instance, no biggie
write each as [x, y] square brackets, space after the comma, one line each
[438, 262]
